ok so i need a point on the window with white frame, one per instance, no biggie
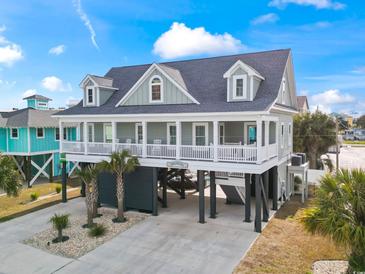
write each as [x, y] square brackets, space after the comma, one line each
[200, 134]
[90, 133]
[289, 134]
[90, 96]
[14, 133]
[40, 132]
[139, 133]
[156, 89]
[57, 134]
[221, 134]
[65, 134]
[283, 91]
[42, 104]
[239, 87]
[282, 135]
[171, 134]
[108, 133]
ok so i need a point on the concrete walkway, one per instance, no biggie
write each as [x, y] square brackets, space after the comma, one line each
[172, 242]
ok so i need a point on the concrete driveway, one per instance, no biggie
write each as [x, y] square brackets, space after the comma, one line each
[172, 242]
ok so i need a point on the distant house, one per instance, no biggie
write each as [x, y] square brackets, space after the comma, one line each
[302, 102]
[31, 136]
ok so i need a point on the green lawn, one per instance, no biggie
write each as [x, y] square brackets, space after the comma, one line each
[347, 142]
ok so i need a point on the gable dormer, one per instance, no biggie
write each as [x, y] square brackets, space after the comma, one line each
[243, 82]
[159, 85]
[96, 90]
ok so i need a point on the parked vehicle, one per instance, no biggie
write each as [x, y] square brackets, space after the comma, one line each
[349, 135]
[359, 135]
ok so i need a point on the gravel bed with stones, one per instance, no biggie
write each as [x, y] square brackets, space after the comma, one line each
[80, 242]
[330, 267]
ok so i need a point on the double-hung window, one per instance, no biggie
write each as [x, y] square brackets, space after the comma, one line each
[90, 133]
[171, 134]
[221, 134]
[139, 133]
[57, 134]
[240, 86]
[14, 133]
[40, 132]
[156, 90]
[90, 96]
[200, 134]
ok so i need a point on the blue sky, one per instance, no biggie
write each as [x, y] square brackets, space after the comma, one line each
[49, 46]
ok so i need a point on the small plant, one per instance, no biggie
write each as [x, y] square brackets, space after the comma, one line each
[34, 196]
[58, 189]
[60, 222]
[97, 230]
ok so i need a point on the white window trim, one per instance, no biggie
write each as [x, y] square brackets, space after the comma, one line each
[87, 103]
[104, 131]
[219, 133]
[206, 132]
[92, 132]
[36, 132]
[65, 131]
[136, 132]
[282, 134]
[11, 133]
[42, 104]
[168, 132]
[55, 134]
[161, 89]
[290, 132]
[283, 91]
[244, 86]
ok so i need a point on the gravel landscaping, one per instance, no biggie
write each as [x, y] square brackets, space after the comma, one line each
[80, 242]
[330, 267]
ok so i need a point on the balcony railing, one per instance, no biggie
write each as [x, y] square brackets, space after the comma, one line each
[222, 153]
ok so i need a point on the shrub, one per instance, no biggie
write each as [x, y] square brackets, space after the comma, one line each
[60, 222]
[58, 189]
[34, 196]
[97, 230]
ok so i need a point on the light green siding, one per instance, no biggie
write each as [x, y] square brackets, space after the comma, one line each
[2, 139]
[21, 143]
[171, 94]
[43, 144]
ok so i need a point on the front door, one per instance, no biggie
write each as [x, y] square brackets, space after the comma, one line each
[251, 135]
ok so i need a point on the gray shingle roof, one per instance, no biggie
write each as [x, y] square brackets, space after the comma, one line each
[29, 117]
[102, 81]
[301, 101]
[174, 74]
[38, 97]
[204, 81]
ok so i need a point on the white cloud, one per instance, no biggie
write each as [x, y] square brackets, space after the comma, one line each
[57, 50]
[325, 101]
[265, 18]
[359, 70]
[29, 92]
[84, 18]
[9, 51]
[318, 4]
[53, 83]
[181, 40]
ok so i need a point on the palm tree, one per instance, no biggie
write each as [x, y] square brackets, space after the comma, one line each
[9, 176]
[339, 213]
[89, 176]
[120, 163]
[60, 222]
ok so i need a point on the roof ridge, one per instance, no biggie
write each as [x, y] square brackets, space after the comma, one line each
[202, 58]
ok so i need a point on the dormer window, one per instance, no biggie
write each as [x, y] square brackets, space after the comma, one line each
[240, 87]
[283, 91]
[156, 91]
[90, 96]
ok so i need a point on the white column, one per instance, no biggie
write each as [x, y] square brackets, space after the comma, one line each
[144, 139]
[267, 134]
[86, 137]
[61, 134]
[259, 139]
[178, 139]
[114, 135]
[215, 140]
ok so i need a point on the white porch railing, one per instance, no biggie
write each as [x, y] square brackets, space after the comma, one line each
[237, 153]
[133, 149]
[224, 153]
[99, 148]
[197, 152]
[273, 150]
[73, 147]
[161, 151]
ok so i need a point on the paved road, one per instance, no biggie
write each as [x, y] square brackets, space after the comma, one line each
[350, 157]
[172, 242]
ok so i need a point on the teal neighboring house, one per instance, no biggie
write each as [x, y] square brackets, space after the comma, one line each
[31, 136]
